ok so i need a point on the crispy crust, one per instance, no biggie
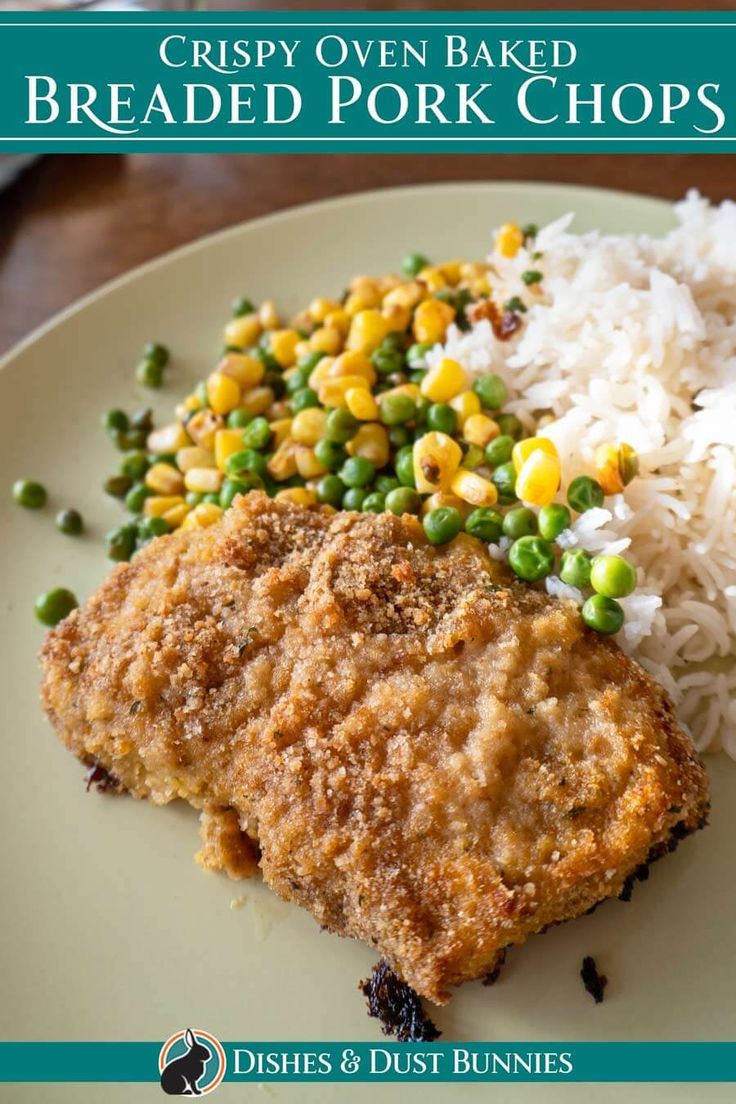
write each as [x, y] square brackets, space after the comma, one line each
[432, 758]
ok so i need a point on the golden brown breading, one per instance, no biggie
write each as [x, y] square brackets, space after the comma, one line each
[433, 758]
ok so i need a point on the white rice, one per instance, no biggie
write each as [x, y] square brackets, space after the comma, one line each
[633, 339]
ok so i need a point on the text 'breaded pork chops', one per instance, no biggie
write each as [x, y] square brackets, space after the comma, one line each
[433, 758]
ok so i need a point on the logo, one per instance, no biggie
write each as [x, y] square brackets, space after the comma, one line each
[191, 1063]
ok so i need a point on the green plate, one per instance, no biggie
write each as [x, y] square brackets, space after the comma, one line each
[110, 931]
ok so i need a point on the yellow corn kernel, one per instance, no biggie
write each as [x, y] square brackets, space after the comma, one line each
[282, 344]
[332, 392]
[302, 349]
[509, 239]
[278, 410]
[465, 405]
[309, 425]
[615, 467]
[244, 331]
[388, 283]
[202, 516]
[227, 441]
[431, 319]
[169, 438]
[412, 390]
[473, 488]
[175, 516]
[450, 271]
[298, 496]
[539, 479]
[432, 279]
[223, 393]
[257, 400]
[479, 429]
[371, 441]
[319, 308]
[480, 287]
[436, 459]
[368, 284]
[268, 316]
[164, 479]
[191, 403]
[363, 299]
[523, 449]
[471, 270]
[338, 320]
[405, 295]
[194, 456]
[307, 463]
[326, 340]
[361, 404]
[302, 321]
[443, 498]
[202, 428]
[322, 372]
[353, 362]
[367, 331]
[282, 464]
[246, 370]
[397, 318]
[157, 505]
[204, 480]
[446, 380]
[280, 430]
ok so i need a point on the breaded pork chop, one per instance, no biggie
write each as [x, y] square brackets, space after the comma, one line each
[432, 758]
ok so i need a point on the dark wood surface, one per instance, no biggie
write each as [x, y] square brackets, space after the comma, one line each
[72, 222]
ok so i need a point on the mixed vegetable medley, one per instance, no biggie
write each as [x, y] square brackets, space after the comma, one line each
[340, 408]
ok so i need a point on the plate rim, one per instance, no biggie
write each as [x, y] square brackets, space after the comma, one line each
[312, 207]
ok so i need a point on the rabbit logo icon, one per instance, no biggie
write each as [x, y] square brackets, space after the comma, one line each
[191, 1063]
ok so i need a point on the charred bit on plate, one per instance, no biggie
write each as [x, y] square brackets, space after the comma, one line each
[593, 981]
[101, 779]
[397, 1006]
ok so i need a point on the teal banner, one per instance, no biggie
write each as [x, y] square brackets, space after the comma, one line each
[367, 1062]
[368, 81]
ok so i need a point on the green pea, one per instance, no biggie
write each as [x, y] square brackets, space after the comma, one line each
[117, 485]
[509, 425]
[504, 478]
[357, 471]
[374, 503]
[115, 421]
[422, 405]
[531, 276]
[399, 436]
[331, 454]
[530, 230]
[491, 390]
[515, 304]
[148, 528]
[416, 355]
[247, 460]
[330, 490]
[135, 464]
[520, 522]
[130, 440]
[498, 451]
[575, 567]
[341, 426]
[120, 542]
[396, 410]
[403, 500]
[69, 522]
[239, 418]
[353, 498]
[142, 419]
[602, 614]
[413, 263]
[248, 481]
[267, 359]
[136, 496]
[387, 359]
[298, 379]
[442, 524]
[486, 524]
[417, 377]
[386, 483]
[308, 363]
[584, 494]
[33, 496]
[396, 339]
[442, 418]
[257, 434]
[531, 558]
[53, 606]
[201, 395]
[149, 373]
[473, 457]
[612, 576]
[212, 498]
[157, 353]
[303, 399]
[192, 498]
[404, 466]
[552, 520]
[163, 458]
[242, 306]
